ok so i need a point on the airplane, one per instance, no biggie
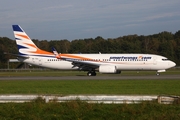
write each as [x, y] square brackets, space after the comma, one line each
[103, 63]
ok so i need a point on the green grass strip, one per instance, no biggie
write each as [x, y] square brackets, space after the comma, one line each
[64, 87]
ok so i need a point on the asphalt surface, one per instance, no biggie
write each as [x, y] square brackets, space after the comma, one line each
[149, 77]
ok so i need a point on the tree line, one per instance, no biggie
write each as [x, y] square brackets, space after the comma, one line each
[165, 43]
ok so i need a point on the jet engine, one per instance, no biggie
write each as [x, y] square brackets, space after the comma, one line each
[108, 69]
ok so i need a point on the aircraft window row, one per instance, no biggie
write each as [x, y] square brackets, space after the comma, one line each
[90, 60]
[103, 60]
[74, 60]
[54, 60]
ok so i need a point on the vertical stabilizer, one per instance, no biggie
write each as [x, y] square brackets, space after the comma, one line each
[25, 44]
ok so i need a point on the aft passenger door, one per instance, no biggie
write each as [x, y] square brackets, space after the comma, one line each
[40, 61]
[37, 61]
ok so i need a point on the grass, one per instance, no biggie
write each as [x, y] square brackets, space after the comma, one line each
[64, 87]
[78, 110]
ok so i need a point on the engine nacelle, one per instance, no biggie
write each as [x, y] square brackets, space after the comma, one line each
[108, 69]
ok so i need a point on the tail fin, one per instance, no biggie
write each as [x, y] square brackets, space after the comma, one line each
[25, 44]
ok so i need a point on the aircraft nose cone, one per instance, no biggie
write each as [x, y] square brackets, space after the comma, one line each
[172, 64]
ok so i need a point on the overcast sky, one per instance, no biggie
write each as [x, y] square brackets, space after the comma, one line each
[79, 19]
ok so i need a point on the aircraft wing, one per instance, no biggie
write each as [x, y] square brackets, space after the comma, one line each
[84, 65]
[77, 62]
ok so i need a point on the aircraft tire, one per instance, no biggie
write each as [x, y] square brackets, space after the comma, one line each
[91, 73]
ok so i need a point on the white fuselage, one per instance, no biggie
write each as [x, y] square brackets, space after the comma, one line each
[121, 61]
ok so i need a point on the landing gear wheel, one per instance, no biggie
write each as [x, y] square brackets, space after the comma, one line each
[157, 74]
[91, 73]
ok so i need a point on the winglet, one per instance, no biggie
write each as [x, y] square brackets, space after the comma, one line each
[56, 53]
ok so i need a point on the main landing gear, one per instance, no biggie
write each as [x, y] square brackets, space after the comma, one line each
[91, 73]
[157, 73]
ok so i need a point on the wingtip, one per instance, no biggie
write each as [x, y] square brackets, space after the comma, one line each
[56, 53]
[53, 49]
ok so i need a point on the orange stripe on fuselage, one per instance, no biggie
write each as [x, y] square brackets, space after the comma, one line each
[39, 51]
[24, 36]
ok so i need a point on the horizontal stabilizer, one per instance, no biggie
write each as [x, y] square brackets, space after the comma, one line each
[17, 55]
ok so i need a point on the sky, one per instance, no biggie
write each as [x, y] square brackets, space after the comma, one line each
[81, 19]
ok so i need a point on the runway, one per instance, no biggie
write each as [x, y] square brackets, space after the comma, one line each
[149, 77]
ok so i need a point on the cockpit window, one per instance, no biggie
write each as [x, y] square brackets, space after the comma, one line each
[164, 59]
